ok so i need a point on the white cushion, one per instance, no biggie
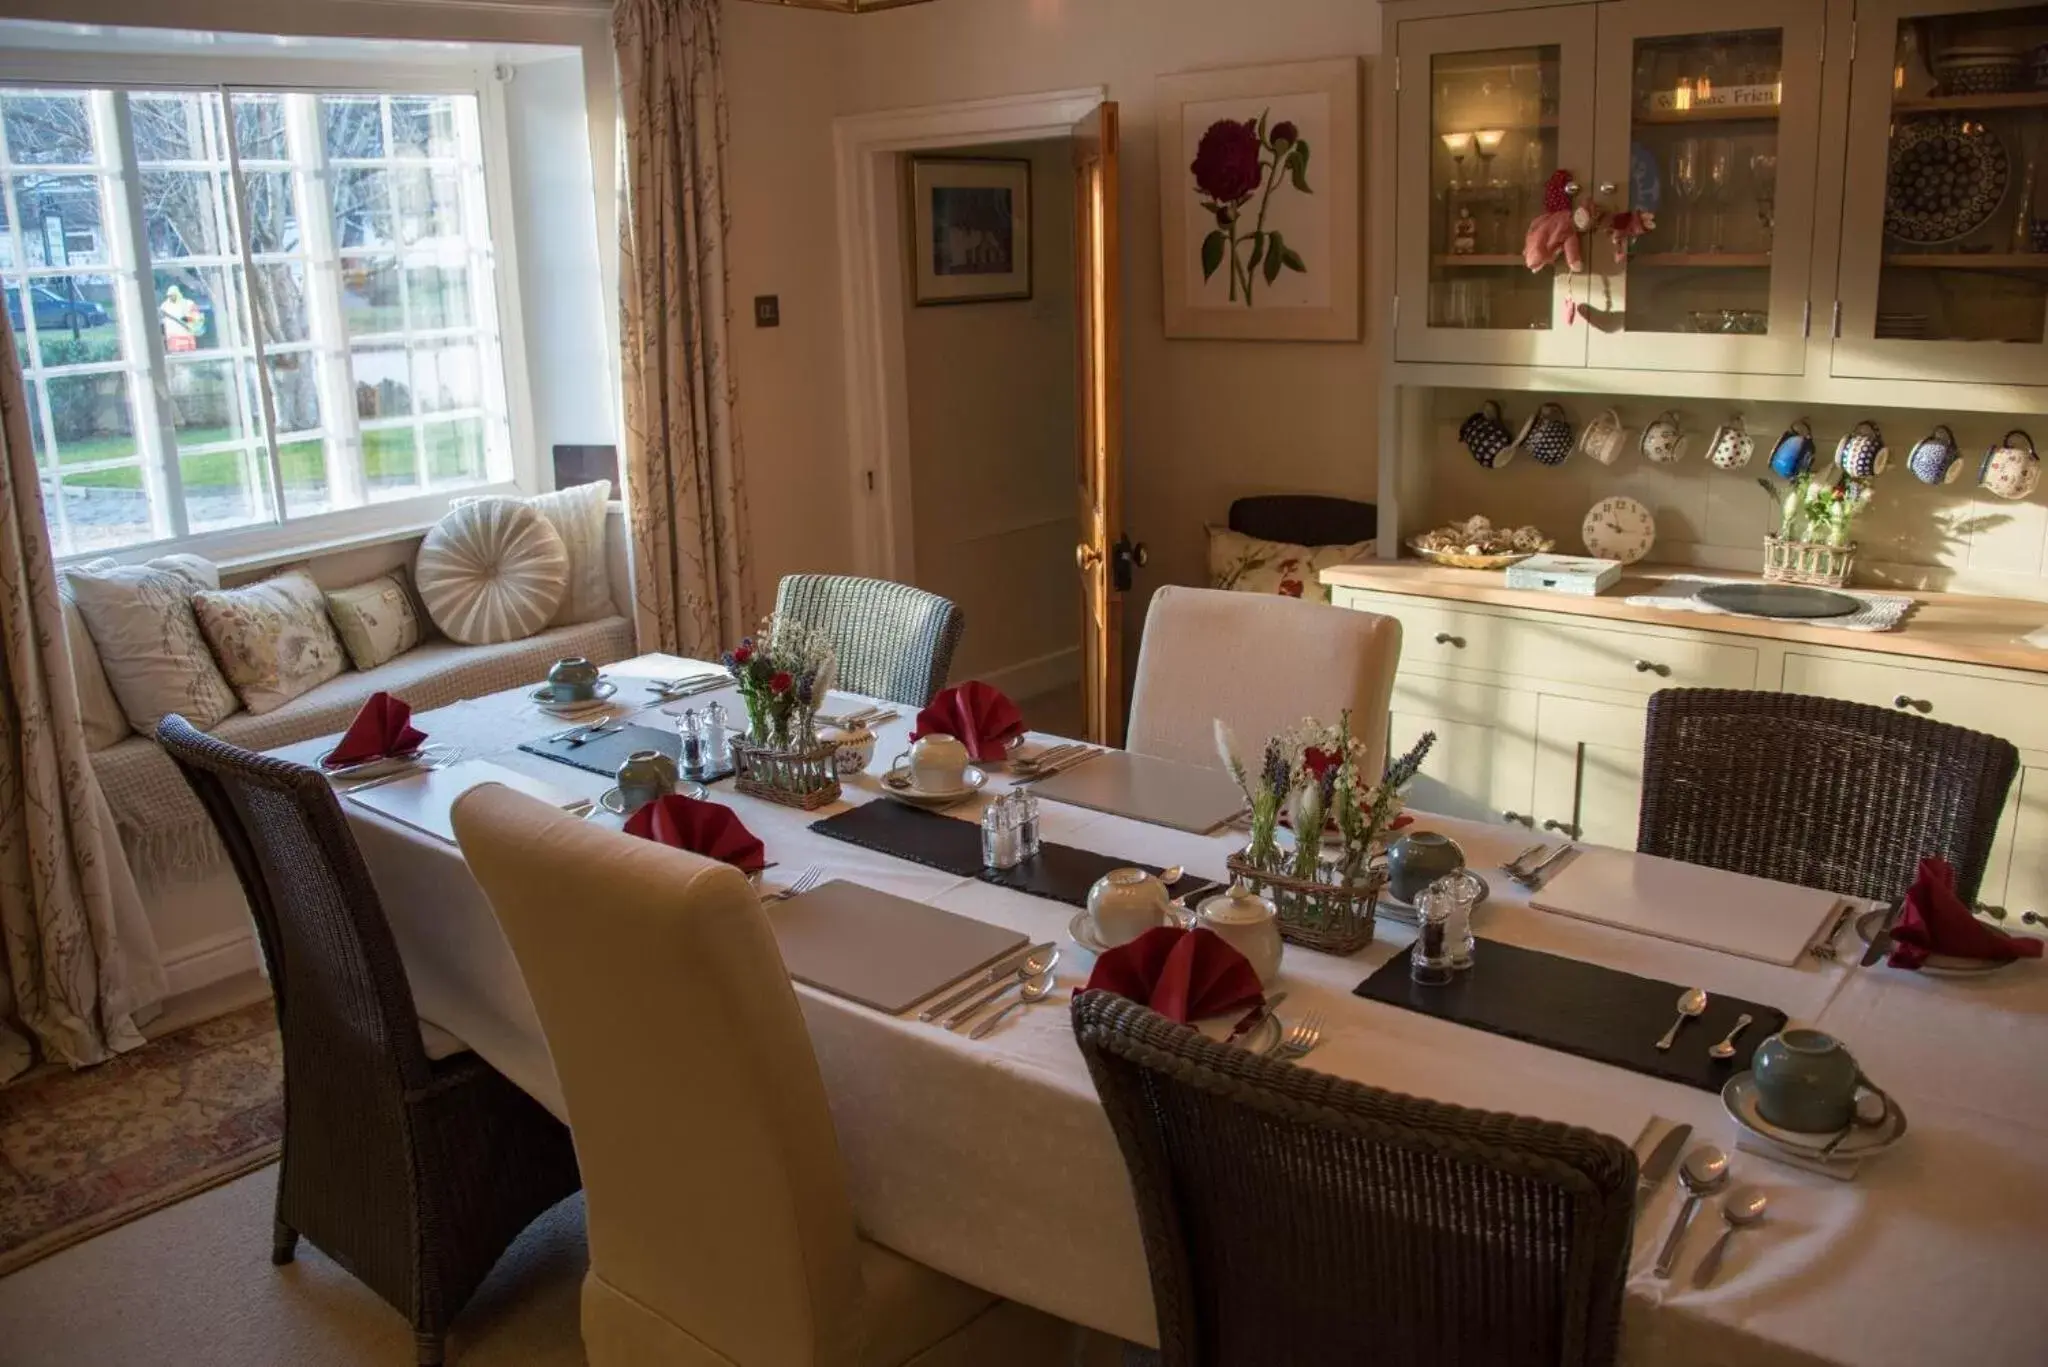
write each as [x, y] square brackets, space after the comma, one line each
[98, 708]
[376, 619]
[1249, 564]
[577, 514]
[492, 571]
[140, 618]
[272, 639]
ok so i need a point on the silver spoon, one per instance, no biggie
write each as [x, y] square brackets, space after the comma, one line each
[1690, 1003]
[1030, 969]
[1740, 1207]
[1704, 1172]
[1172, 874]
[1726, 1048]
[1036, 990]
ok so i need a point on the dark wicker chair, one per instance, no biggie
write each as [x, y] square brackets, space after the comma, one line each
[894, 641]
[1840, 796]
[415, 1175]
[1305, 519]
[1294, 1218]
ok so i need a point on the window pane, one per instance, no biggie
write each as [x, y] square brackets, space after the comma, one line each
[429, 205]
[304, 464]
[383, 387]
[203, 409]
[76, 319]
[362, 208]
[106, 508]
[174, 127]
[183, 214]
[353, 126]
[295, 391]
[61, 220]
[445, 377]
[92, 418]
[14, 320]
[424, 127]
[438, 296]
[281, 314]
[6, 238]
[273, 211]
[229, 488]
[259, 128]
[195, 307]
[455, 451]
[369, 296]
[48, 130]
[390, 466]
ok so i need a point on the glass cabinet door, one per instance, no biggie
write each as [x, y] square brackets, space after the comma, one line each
[1714, 132]
[1944, 216]
[1488, 108]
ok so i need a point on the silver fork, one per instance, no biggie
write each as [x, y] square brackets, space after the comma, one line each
[1302, 1037]
[808, 879]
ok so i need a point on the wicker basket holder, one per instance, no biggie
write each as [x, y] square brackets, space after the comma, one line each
[803, 778]
[1333, 917]
[1807, 562]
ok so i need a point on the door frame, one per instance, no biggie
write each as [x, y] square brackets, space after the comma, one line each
[865, 148]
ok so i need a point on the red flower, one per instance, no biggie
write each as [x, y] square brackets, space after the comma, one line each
[1285, 134]
[781, 683]
[1226, 164]
[1318, 761]
[1291, 587]
[742, 654]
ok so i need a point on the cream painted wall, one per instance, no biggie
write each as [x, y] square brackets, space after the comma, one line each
[992, 438]
[1204, 421]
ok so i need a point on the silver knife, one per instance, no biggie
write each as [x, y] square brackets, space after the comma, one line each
[1659, 1163]
[1881, 942]
[1005, 967]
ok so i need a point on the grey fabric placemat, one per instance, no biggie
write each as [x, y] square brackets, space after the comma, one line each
[1163, 792]
[879, 949]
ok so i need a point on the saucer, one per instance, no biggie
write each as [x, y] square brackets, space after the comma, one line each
[544, 698]
[1082, 933]
[1738, 1095]
[1394, 909]
[901, 790]
[1940, 965]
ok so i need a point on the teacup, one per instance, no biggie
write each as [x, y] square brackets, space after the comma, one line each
[1487, 437]
[1547, 435]
[1806, 1081]
[645, 776]
[1935, 458]
[1418, 859]
[1793, 455]
[2012, 468]
[1731, 446]
[1604, 438]
[573, 679]
[1663, 440]
[1125, 903]
[935, 764]
[1862, 453]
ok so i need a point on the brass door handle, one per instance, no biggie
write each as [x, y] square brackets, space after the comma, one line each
[1652, 667]
[1528, 821]
[1563, 828]
[1920, 705]
[1086, 556]
[1444, 638]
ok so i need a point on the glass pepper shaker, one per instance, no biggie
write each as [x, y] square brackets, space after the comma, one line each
[1027, 825]
[692, 753]
[1429, 962]
[999, 835]
[1458, 893]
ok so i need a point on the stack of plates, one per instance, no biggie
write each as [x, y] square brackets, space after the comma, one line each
[1980, 70]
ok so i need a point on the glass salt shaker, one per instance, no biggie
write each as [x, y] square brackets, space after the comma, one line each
[1458, 893]
[999, 835]
[1429, 962]
[1027, 825]
[692, 754]
[711, 728]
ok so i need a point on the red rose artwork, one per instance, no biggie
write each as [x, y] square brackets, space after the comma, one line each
[1235, 163]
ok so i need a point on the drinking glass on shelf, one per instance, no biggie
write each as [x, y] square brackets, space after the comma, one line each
[1686, 173]
[1763, 171]
[1720, 169]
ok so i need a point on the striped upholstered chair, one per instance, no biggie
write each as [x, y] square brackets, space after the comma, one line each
[894, 641]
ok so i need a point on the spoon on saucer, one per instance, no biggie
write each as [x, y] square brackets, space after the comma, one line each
[1034, 991]
[1690, 1003]
[1726, 1048]
[1704, 1172]
[1740, 1207]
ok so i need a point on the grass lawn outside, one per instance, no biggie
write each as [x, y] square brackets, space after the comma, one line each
[454, 451]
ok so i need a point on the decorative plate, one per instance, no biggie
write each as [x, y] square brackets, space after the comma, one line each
[1947, 179]
[1619, 528]
[1459, 560]
[972, 782]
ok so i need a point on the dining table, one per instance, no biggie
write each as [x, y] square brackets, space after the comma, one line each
[992, 1160]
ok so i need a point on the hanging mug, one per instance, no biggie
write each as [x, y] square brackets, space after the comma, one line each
[2012, 468]
[1862, 453]
[1935, 458]
[1547, 435]
[1793, 455]
[1663, 441]
[1487, 437]
[1732, 446]
[1604, 438]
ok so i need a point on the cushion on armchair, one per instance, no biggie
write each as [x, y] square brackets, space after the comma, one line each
[1252, 565]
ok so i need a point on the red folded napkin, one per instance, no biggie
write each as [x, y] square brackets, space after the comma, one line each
[383, 727]
[1936, 921]
[1184, 975]
[700, 827]
[977, 714]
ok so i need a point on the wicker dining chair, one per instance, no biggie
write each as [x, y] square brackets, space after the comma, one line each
[1840, 796]
[1291, 1218]
[894, 641]
[413, 1173]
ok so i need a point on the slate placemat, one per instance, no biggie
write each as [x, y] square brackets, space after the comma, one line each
[605, 754]
[1059, 873]
[1581, 1008]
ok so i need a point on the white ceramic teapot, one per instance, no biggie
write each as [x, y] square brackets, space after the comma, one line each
[1249, 924]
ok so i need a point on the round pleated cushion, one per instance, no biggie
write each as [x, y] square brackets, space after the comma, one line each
[492, 571]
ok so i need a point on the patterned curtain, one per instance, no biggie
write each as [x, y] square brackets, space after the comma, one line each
[79, 958]
[685, 487]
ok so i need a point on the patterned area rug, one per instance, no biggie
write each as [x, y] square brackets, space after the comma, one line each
[82, 1152]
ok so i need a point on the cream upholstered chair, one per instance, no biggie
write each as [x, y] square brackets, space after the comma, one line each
[720, 1227]
[1261, 662]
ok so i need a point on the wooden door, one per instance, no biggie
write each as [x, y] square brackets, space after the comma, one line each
[1099, 279]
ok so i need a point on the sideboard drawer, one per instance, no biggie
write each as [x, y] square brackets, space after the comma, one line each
[2012, 709]
[1433, 634]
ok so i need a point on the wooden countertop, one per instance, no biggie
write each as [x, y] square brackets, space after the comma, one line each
[1942, 626]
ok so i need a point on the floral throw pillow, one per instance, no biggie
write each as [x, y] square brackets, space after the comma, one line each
[1250, 565]
[273, 639]
[376, 620]
[140, 619]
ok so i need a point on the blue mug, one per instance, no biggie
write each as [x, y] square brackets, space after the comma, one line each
[1793, 455]
[1935, 458]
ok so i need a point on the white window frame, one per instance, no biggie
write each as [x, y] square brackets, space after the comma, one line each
[397, 518]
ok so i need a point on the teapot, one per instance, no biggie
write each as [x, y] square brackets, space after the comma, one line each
[1125, 903]
[1251, 926]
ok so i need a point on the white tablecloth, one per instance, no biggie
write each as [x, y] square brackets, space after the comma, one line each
[991, 1160]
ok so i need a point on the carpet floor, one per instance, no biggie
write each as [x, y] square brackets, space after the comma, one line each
[82, 1152]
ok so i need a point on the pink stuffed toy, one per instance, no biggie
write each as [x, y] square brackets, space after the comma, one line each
[1557, 228]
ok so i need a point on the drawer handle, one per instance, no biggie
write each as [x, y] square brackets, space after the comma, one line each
[1444, 638]
[1528, 821]
[1652, 667]
[1563, 828]
[1920, 705]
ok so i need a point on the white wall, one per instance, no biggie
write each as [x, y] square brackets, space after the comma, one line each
[992, 449]
[1205, 421]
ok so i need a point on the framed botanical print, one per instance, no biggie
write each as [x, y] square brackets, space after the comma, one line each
[971, 229]
[1259, 174]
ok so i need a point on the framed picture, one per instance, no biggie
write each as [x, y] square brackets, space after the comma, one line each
[1259, 175]
[971, 229]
